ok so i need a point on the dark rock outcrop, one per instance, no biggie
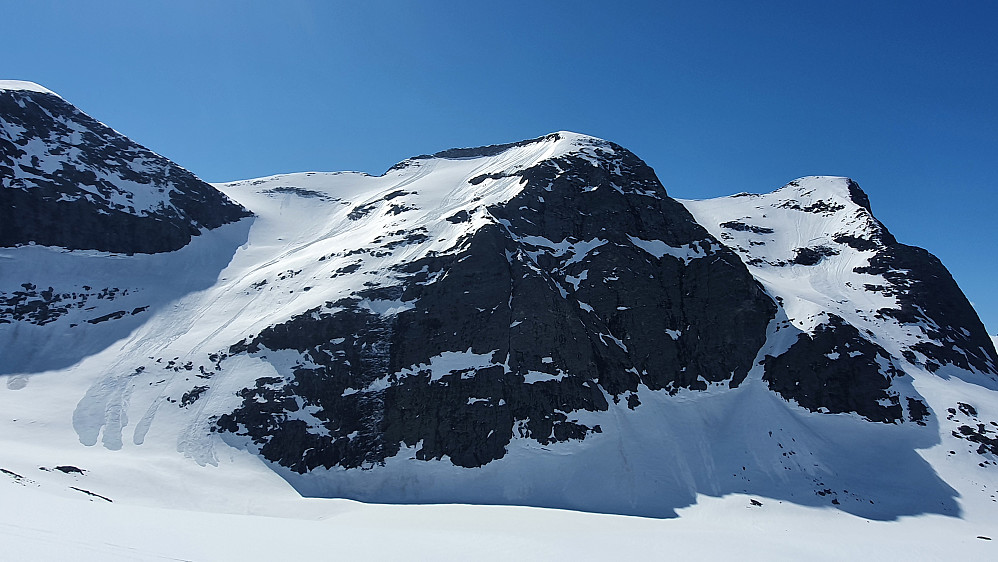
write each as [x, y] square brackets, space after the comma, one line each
[930, 299]
[835, 369]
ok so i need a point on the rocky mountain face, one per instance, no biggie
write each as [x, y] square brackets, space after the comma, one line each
[536, 323]
[868, 303]
[67, 180]
[587, 285]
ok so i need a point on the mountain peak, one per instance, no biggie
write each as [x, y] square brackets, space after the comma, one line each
[24, 85]
[70, 181]
[845, 190]
[558, 143]
[816, 187]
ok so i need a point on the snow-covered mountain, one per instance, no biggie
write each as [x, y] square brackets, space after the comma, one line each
[536, 323]
[70, 181]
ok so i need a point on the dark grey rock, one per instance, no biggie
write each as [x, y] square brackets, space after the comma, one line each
[836, 369]
[930, 299]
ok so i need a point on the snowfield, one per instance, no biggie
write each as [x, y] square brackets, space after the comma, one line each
[208, 517]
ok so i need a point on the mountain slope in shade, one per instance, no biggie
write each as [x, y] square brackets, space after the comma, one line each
[69, 181]
[536, 323]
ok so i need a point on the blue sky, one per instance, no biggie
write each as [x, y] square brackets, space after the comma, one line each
[718, 97]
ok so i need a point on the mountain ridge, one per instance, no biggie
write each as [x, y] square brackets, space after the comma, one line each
[533, 323]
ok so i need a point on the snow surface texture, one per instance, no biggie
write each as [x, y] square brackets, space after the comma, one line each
[116, 366]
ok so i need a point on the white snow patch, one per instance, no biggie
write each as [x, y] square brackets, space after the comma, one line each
[537, 376]
[387, 307]
[24, 85]
[447, 362]
[659, 249]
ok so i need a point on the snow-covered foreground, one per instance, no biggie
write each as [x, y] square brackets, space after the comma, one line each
[161, 505]
[41, 526]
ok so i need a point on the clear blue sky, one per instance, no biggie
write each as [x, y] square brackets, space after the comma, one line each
[719, 97]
